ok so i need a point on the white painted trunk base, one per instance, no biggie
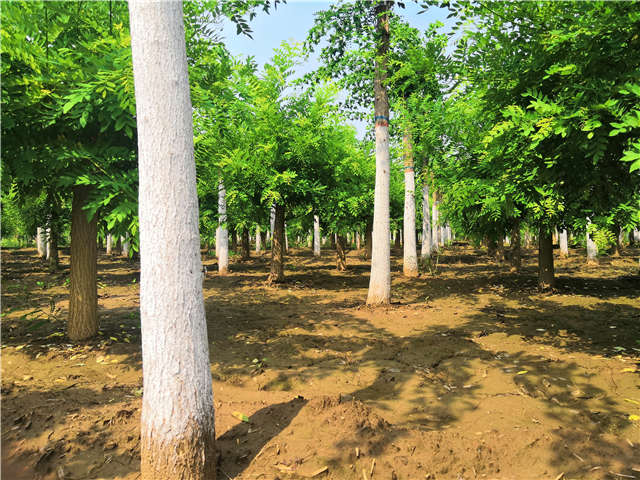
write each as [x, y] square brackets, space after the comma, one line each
[316, 236]
[425, 250]
[222, 246]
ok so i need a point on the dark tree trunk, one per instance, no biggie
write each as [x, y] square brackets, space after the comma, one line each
[397, 241]
[368, 243]
[546, 277]
[83, 297]
[341, 258]
[516, 250]
[618, 246]
[492, 246]
[246, 251]
[333, 240]
[277, 247]
[54, 257]
[500, 249]
[263, 240]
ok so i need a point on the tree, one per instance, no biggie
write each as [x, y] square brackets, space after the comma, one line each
[178, 433]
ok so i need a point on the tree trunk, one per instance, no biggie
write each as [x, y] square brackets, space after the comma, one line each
[109, 244]
[286, 239]
[234, 238]
[358, 241]
[333, 241]
[546, 276]
[563, 241]
[380, 280]
[246, 251]
[516, 250]
[492, 247]
[258, 239]
[222, 240]
[178, 433]
[83, 293]
[368, 242]
[41, 244]
[435, 241]
[410, 253]
[592, 248]
[263, 239]
[53, 255]
[316, 235]
[277, 247]
[341, 258]
[126, 244]
[619, 244]
[500, 249]
[425, 251]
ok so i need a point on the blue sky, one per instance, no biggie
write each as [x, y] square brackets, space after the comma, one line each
[291, 21]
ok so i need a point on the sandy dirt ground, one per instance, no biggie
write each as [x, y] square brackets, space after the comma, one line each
[471, 373]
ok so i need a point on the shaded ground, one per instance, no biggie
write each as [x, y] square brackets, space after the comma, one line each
[471, 373]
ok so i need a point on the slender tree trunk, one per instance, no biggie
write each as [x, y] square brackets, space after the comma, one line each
[333, 241]
[396, 239]
[316, 235]
[286, 239]
[516, 250]
[592, 248]
[425, 251]
[619, 245]
[358, 241]
[246, 250]
[258, 239]
[410, 253]
[48, 243]
[234, 238]
[83, 294]
[341, 258]
[109, 244]
[368, 243]
[563, 241]
[435, 241]
[126, 244]
[178, 433]
[500, 249]
[53, 255]
[546, 274]
[636, 236]
[222, 240]
[380, 280]
[492, 247]
[272, 220]
[277, 248]
[41, 244]
[263, 239]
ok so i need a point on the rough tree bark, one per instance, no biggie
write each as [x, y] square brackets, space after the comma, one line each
[380, 280]
[316, 235]
[425, 251]
[546, 274]
[410, 252]
[222, 240]
[178, 433]
[341, 258]
[563, 240]
[277, 246]
[83, 292]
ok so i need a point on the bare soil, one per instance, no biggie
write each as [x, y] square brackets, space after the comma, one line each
[470, 373]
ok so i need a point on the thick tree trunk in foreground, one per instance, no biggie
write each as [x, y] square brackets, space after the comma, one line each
[258, 239]
[563, 241]
[277, 246]
[178, 434]
[425, 251]
[246, 250]
[516, 250]
[592, 248]
[41, 244]
[546, 274]
[83, 293]
[341, 258]
[222, 238]
[380, 280]
[410, 253]
[316, 235]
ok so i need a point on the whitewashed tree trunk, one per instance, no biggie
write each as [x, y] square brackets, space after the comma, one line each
[273, 219]
[258, 240]
[41, 243]
[564, 242]
[410, 249]
[636, 235]
[126, 244]
[286, 239]
[425, 251]
[223, 238]
[357, 240]
[592, 248]
[267, 238]
[435, 242]
[48, 243]
[316, 236]
[380, 280]
[109, 243]
[178, 433]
